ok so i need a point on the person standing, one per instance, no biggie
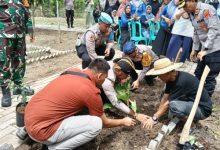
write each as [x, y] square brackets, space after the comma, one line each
[206, 23]
[15, 22]
[69, 12]
[68, 112]
[89, 13]
[182, 33]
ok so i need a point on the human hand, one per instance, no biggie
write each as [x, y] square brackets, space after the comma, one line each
[167, 20]
[149, 123]
[128, 121]
[193, 56]
[107, 52]
[135, 85]
[32, 39]
[141, 117]
[201, 54]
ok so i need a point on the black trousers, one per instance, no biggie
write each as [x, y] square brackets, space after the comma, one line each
[100, 51]
[160, 44]
[69, 17]
[213, 61]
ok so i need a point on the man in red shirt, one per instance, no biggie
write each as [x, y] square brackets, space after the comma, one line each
[51, 116]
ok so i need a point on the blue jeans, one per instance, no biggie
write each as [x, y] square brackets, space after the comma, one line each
[182, 109]
[176, 42]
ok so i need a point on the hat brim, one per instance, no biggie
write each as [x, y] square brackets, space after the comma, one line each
[164, 70]
[181, 5]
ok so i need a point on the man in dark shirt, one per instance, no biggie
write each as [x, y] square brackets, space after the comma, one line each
[180, 93]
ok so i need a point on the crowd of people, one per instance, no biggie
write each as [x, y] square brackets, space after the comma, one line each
[69, 112]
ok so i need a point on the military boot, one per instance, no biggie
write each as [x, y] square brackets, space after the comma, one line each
[17, 90]
[6, 96]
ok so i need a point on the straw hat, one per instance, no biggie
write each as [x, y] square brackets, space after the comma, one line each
[162, 66]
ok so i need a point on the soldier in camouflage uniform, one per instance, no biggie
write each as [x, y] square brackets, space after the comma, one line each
[15, 22]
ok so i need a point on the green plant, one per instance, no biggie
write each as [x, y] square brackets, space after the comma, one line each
[23, 96]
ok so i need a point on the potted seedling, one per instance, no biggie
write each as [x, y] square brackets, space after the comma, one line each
[21, 107]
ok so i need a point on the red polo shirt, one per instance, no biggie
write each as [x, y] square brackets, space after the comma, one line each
[65, 96]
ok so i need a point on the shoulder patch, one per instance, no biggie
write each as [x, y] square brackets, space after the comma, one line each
[206, 14]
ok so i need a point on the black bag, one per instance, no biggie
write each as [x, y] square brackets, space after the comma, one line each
[81, 50]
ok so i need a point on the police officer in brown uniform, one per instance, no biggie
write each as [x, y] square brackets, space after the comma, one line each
[206, 23]
[97, 40]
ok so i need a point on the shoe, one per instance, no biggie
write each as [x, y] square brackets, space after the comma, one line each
[44, 147]
[22, 133]
[27, 90]
[6, 96]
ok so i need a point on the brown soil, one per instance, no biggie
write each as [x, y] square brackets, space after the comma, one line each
[148, 99]
[45, 68]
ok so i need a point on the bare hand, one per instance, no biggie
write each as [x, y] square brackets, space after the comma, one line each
[128, 121]
[135, 84]
[142, 117]
[149, 123]
[107, 52]
[32, 39]
[201, 54]
[193, 55]
[167, 20]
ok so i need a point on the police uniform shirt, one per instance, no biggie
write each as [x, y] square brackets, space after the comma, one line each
[207, 28]
[147, 60]
[93, 38]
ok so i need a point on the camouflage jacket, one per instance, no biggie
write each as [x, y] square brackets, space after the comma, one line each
[15, 19]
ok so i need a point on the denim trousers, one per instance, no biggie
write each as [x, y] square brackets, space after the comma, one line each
[183, 108]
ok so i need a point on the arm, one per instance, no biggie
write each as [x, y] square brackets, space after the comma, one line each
[179, 13]
[164, 105]
[163, 14]
[110, 43]
[29, 25]
[109, 90]
[110, 123]
[213, 27]
[90, 44]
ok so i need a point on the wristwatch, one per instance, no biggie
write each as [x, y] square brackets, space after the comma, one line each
[155, 118]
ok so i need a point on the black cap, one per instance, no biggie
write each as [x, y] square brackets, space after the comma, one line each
[127, 66]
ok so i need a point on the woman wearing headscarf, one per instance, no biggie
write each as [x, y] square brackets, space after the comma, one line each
[137, 8]
[164, 34]
[125, 18]
[145, 19]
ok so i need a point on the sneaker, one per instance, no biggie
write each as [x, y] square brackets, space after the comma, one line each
[22, 133]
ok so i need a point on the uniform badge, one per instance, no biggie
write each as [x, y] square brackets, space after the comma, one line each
[206, 14]
[146, 60]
